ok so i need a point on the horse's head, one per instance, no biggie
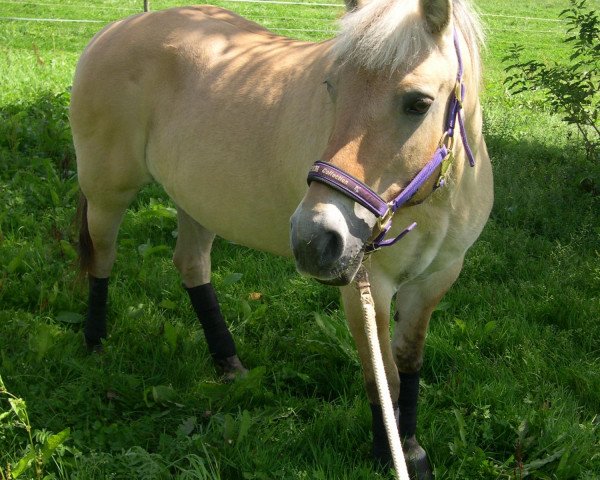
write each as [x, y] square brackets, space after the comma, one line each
[394, 74]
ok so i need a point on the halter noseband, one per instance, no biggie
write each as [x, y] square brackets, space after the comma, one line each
[345, 183]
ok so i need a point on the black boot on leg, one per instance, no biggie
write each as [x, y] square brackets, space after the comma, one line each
[95, 323]
[220, 342]
[416, 458]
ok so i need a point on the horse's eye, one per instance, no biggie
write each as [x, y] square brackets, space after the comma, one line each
[419, 106]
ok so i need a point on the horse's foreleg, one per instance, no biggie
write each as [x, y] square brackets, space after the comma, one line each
[382, 297]
[415, 303]
[192, 259]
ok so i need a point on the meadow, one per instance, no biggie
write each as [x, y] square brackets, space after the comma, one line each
[510, 387]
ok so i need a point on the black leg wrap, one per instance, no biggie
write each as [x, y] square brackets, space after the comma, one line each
[381, 446]
[220, 342]
[415, 456]
[95, 324]
[407, 401]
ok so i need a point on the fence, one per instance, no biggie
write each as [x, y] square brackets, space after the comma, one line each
[331, 11]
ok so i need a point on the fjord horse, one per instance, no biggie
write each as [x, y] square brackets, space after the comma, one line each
[229, 117]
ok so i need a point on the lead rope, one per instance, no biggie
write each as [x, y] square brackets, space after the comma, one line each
[385, 399]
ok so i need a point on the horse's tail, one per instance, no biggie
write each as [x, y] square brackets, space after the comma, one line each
[85, 246]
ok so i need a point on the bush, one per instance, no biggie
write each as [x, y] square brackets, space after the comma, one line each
[570, 88]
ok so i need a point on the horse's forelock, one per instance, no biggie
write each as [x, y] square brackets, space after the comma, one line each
[388, 34]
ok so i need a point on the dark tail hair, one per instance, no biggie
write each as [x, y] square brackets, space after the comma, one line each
[85, 246]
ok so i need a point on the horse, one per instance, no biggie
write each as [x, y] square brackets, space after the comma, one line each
[229, 117]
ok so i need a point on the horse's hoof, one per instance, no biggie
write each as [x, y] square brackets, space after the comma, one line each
[416, 460]
[93, 346]
[382, 458]
[230, 368]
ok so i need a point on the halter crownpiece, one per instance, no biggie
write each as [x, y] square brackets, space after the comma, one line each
[353, 188]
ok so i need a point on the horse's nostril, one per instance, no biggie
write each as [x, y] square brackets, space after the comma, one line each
[331, 248]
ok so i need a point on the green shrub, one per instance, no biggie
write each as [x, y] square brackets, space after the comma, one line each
[571, 88]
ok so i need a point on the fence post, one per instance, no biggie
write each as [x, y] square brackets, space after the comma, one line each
[146, 5]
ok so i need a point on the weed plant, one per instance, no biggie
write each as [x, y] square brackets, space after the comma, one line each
[511, 381]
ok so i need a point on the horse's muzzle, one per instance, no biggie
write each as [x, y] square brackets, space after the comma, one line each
[326, 244]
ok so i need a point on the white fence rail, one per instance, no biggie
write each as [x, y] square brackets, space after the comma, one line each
[513, 22]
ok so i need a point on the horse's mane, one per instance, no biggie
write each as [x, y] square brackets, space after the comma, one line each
[391, 33]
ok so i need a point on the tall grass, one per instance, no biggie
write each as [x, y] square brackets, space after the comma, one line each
[511, 381]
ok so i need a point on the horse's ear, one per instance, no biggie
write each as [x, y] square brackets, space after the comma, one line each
[352, 5]
[438, 14]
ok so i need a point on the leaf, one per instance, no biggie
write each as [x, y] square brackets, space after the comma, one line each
[245, 424]
[213, 391]
[536, 464]
[53, 442]
[246, 309]
[23, 464]
[489, 327]
[41, 340]
[146, 250]
[442, 307]
[54, 197]
[135, 311]
[232, 278]
[460, 324]
[563, 468]
[68, 249]
[168, 304]
[461, 426]
[164, 395]
[16, 262]
[247, 385]
[171, 334]
[143, 247]
[19, 406]
[70, 317]
[228, 429]
[338, 332]
[187, 426]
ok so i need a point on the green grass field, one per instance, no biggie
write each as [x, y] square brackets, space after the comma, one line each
[511, 381]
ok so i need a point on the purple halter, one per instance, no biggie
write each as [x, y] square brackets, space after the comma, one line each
[345, 183]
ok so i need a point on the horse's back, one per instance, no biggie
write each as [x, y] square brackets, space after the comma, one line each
[130, 57]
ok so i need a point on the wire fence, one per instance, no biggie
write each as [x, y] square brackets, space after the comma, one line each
[512, 22]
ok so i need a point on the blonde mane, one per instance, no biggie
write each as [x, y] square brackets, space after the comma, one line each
[392, 33]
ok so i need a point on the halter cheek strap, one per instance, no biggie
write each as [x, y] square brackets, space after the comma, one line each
[345, 183]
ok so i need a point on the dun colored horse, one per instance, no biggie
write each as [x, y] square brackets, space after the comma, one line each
[229, 118]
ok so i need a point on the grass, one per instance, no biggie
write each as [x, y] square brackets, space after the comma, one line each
[511, 383]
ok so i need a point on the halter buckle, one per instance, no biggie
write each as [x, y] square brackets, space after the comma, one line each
[458, 89]
[444, 167]
[383, 221]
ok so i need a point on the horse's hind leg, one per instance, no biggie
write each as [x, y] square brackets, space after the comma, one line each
[100, 220]
[192, 259]
[415, 303]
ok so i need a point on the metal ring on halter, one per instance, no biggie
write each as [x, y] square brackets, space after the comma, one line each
[447, 140]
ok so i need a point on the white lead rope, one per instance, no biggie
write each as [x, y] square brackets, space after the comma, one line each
[385, 399]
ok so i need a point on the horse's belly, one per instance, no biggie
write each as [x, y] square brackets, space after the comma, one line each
[256, 221]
